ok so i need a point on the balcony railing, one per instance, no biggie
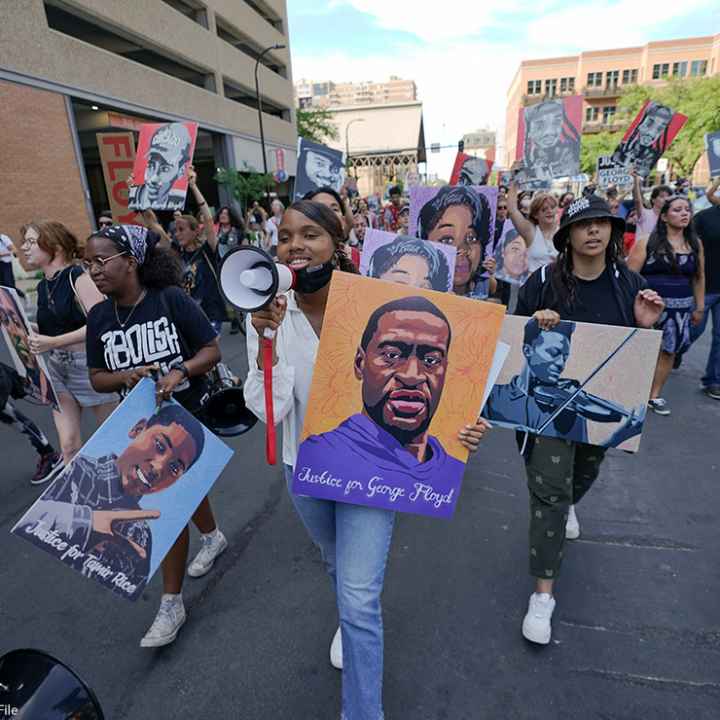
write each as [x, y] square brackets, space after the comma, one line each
[610, 91]
[541, 97]
[597, 126]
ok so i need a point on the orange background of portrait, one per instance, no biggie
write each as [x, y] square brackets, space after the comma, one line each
[335, 391]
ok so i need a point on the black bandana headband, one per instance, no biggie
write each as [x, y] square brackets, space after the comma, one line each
[132, 239]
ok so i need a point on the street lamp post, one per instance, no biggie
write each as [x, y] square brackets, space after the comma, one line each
[259, 104]
[347, 141]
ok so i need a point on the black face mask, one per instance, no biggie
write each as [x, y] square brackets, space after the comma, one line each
[311, 279]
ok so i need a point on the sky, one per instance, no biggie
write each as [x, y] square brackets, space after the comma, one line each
[463, 54]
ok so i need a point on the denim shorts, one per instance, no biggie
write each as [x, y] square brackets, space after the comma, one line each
[70, 375]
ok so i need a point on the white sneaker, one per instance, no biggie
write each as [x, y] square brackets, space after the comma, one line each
[572, 526]
[336, 657]
[536, 625]
[168, 621]
[213, 545]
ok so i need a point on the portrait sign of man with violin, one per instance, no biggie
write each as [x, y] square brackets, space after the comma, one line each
[539, 400]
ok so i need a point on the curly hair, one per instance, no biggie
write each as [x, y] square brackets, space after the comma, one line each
[328, 221]
[448, 196]
[162, 266]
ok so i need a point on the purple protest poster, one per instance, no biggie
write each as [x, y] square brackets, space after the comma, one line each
[408, 260]
[435, 213]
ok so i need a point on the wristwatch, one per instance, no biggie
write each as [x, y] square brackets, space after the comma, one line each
[183, 369]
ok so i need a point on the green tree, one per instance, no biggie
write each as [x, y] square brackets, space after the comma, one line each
[594, 145]
[246, 185]
[316, 124]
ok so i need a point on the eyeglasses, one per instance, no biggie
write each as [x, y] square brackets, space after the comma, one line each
[29, 242]
[100, 262]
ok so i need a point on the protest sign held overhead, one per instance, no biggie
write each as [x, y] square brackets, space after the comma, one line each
[469, 170]
[580, 382]
[610, 173]
[31, 368]
[117, 156]
[118, 507]
[160, 173]
[318, 166]
[548, 141]
[439, 214]
[408, 260]
[647, 138]
[372, 439]
[712, 147]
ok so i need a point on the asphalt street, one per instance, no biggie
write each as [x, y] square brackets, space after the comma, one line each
[636, 629]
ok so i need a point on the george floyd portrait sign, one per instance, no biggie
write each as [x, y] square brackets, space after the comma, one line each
[399, 371]
[579, 381]
[647, 138]
[160, 172]
[548, 141]
[116, 510]
[408, 260]
[32, 368]
[318, 166]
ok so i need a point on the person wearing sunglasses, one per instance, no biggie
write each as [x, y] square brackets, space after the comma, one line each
[64, 297]
[105, 219]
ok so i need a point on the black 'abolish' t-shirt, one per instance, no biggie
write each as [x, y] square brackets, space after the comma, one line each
[166, 328]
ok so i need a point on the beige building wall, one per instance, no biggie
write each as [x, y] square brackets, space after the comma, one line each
[31, 50]
[344, 94]
[597, 97]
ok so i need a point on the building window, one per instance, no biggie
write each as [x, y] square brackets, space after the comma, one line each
[630, 77]
[608, 114]
[611, 78]
[660, 70]
[698, 67]
[591, 114]
[679, 69]
[534, 87]
[567, 84]
[551, 88]
[594, 79]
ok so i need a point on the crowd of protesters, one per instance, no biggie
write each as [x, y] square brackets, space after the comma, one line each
[607, 260]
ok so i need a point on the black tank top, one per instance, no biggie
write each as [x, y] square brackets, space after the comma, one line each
[58, 309]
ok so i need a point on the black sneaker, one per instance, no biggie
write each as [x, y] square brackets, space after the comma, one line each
[47, 467]
[712, 391]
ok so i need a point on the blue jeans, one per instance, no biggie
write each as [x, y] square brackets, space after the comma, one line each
[354, 542]
[712, 371]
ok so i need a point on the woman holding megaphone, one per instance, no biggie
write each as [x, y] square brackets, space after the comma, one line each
[310, 239]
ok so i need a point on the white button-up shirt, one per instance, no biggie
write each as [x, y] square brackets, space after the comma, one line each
[297, 346]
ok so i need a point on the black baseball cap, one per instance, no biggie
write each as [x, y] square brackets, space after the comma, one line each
[584, 208]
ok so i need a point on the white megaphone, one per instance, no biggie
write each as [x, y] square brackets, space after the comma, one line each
[250, 280]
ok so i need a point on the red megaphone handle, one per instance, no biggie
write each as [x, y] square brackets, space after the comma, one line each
[270, 437]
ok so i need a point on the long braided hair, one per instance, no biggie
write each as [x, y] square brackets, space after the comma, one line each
[562, 278]
[658, 242]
